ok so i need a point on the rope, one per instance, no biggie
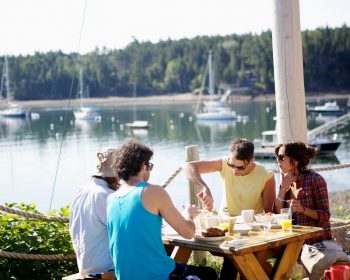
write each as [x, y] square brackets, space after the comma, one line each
[62, 219]
[172, 176]
[21, 256]
[68, 106]
[341, 228]
[32, 215]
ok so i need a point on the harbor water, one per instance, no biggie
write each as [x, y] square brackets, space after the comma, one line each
[46, 160]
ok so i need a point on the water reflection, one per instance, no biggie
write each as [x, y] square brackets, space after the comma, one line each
[13, 126]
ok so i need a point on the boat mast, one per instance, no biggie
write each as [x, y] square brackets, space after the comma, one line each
[211, 75]
[134, 95]
[5, 77]
[81, 87]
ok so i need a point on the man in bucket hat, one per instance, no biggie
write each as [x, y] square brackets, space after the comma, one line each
[88, 217]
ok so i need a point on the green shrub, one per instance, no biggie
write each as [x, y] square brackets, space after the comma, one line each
[340, 212]
[32, 236]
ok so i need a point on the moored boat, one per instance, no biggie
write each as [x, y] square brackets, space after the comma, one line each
[213, 109]
[84, 112]
[328, 108]
[11, 110]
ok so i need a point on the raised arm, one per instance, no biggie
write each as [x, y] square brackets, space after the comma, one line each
[269, 194]
[193, 170]
[182, 223]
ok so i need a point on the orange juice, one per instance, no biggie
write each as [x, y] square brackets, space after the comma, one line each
[286, 224]
[224, 225]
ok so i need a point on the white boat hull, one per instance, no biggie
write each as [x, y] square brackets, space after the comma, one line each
[137, 125]
[15, 112]
[86, 113]
[217, 116]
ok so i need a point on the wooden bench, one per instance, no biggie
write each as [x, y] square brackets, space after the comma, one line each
[106, 275]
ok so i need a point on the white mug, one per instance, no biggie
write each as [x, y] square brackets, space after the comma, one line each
[248, 215]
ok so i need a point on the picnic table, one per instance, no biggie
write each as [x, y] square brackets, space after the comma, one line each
[242, 255]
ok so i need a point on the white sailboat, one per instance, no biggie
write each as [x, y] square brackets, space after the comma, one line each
[213, 109]
[11, 110]
[327, 108]
[136, 124]
[84, 112]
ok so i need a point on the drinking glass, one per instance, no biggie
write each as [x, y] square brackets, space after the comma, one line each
[267, 227]
[231, 224]
[286, 224]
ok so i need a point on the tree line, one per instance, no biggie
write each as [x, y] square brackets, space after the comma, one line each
[178, 66]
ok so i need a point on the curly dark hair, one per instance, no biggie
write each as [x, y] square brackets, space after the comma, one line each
[298, 151]
[242, 149]
[130, 158]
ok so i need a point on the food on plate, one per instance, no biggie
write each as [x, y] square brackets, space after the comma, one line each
[214, 231]
[264, 217]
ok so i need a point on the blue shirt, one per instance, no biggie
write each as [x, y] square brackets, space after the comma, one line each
[135, 238]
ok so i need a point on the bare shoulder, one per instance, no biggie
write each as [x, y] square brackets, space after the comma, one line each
[155, 190]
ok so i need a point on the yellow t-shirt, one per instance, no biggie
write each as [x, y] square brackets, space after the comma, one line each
[244, 192]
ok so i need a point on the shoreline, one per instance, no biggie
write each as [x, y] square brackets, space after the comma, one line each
[183, 98]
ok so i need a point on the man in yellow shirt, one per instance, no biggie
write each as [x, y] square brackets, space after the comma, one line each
[248, 185]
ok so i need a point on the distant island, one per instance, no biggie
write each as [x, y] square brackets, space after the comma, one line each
[241, 63]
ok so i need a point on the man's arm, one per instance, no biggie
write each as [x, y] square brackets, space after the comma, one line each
[269, 194]
[194, 169]
[158, 199]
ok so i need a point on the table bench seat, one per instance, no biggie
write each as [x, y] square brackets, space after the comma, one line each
[106, 275]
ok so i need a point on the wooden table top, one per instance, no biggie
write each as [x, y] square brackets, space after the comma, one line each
[257, 240]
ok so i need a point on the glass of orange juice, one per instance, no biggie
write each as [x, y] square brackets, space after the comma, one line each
[286, 224]
[224, 222]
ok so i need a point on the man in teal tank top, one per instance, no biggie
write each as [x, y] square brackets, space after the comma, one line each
[134, 222]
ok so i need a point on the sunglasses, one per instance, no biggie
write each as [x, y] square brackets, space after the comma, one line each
[280, 157]
[150, 166]
[241, 168]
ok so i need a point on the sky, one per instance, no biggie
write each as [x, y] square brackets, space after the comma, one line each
[29, 26]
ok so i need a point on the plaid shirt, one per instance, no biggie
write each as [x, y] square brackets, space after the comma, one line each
[314, 195]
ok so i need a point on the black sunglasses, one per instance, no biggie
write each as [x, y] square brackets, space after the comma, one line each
[280, 157]
[150, 166]
[241, 168]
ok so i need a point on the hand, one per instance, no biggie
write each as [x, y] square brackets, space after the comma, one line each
[191, 211]
[206, 199]
[296, 205]
[287, 180]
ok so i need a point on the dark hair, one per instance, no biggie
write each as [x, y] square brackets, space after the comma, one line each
[131, 157]
[242, 149]
[298, 151]
[113, 182]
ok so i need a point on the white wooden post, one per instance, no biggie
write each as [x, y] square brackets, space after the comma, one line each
[288, 67]
[192, 154]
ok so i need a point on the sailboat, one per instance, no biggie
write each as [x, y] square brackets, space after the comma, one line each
[213, 109]
[84, 112]
[136, 124]
[11, 110]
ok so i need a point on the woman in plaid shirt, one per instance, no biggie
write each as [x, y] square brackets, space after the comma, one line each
[305, 189]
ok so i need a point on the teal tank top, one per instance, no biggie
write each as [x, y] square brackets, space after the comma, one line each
[135, 240]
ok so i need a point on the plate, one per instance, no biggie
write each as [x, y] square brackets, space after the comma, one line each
[235, 242]
[208, 239]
